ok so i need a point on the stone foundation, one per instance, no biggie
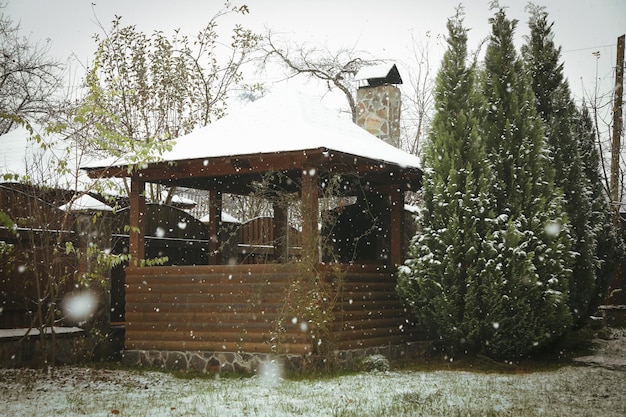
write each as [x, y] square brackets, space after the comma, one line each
[205, 362]
[217, 362]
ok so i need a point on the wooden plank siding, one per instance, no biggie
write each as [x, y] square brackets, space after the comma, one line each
[208, 308]
[369, 312]
[238, 308]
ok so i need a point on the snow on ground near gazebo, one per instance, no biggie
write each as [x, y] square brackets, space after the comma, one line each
[568, 391]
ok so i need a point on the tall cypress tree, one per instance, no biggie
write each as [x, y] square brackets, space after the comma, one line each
[445, 258]
[564, 134]
[525, 282]
[556, 108]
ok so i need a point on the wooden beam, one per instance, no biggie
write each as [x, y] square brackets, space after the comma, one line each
[310, 213]
[281, 230]
[241, 184]
[234, 174]
[617, 126]
[228, 165]
[396, 210]
[215, 224]
[137, 232]
[246, 164]
[108, 172]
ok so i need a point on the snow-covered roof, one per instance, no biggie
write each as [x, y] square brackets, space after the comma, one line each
[21, 332]
[177, 199]
[225, 218]
[283, 121]
[379, 72]
[22, 158]
[85, 202]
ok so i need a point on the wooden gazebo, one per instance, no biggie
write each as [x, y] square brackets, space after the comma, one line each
[211, 316]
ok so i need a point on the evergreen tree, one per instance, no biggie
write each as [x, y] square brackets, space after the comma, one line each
[445, 259]
[525, 281]
[555, 106]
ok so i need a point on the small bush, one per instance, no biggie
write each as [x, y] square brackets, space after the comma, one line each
[375, 363]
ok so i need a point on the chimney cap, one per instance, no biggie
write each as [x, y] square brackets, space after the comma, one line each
[379, 75]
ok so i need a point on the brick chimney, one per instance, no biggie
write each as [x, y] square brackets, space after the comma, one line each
[379, 102]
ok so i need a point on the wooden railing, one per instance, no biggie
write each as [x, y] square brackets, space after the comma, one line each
[256, 242]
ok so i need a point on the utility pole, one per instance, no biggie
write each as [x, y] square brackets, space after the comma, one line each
[617, 125]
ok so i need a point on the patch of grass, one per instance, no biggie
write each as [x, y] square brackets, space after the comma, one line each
[574, 344]
[481, 364]
[567, 391]
[317, 374]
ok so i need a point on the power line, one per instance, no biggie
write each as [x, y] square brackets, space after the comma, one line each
[589, 48]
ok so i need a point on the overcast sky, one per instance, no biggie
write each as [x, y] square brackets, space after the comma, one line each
[383, 28]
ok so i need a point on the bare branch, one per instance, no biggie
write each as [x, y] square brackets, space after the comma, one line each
[336, 68]
[28, 77]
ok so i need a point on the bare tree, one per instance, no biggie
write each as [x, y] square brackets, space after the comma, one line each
[600, 105]
[338, 70]
[28, 76]
[417, 95]
[335, 68]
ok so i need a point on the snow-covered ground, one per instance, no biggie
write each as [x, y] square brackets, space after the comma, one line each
[569, 391]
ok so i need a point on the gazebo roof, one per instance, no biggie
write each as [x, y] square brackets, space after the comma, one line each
[278, 132]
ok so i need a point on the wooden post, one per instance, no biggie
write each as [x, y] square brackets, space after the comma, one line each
[617, 124]
[137, 233]
[215, 225]
[310, 213]
[281, 231]
[396, 209]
